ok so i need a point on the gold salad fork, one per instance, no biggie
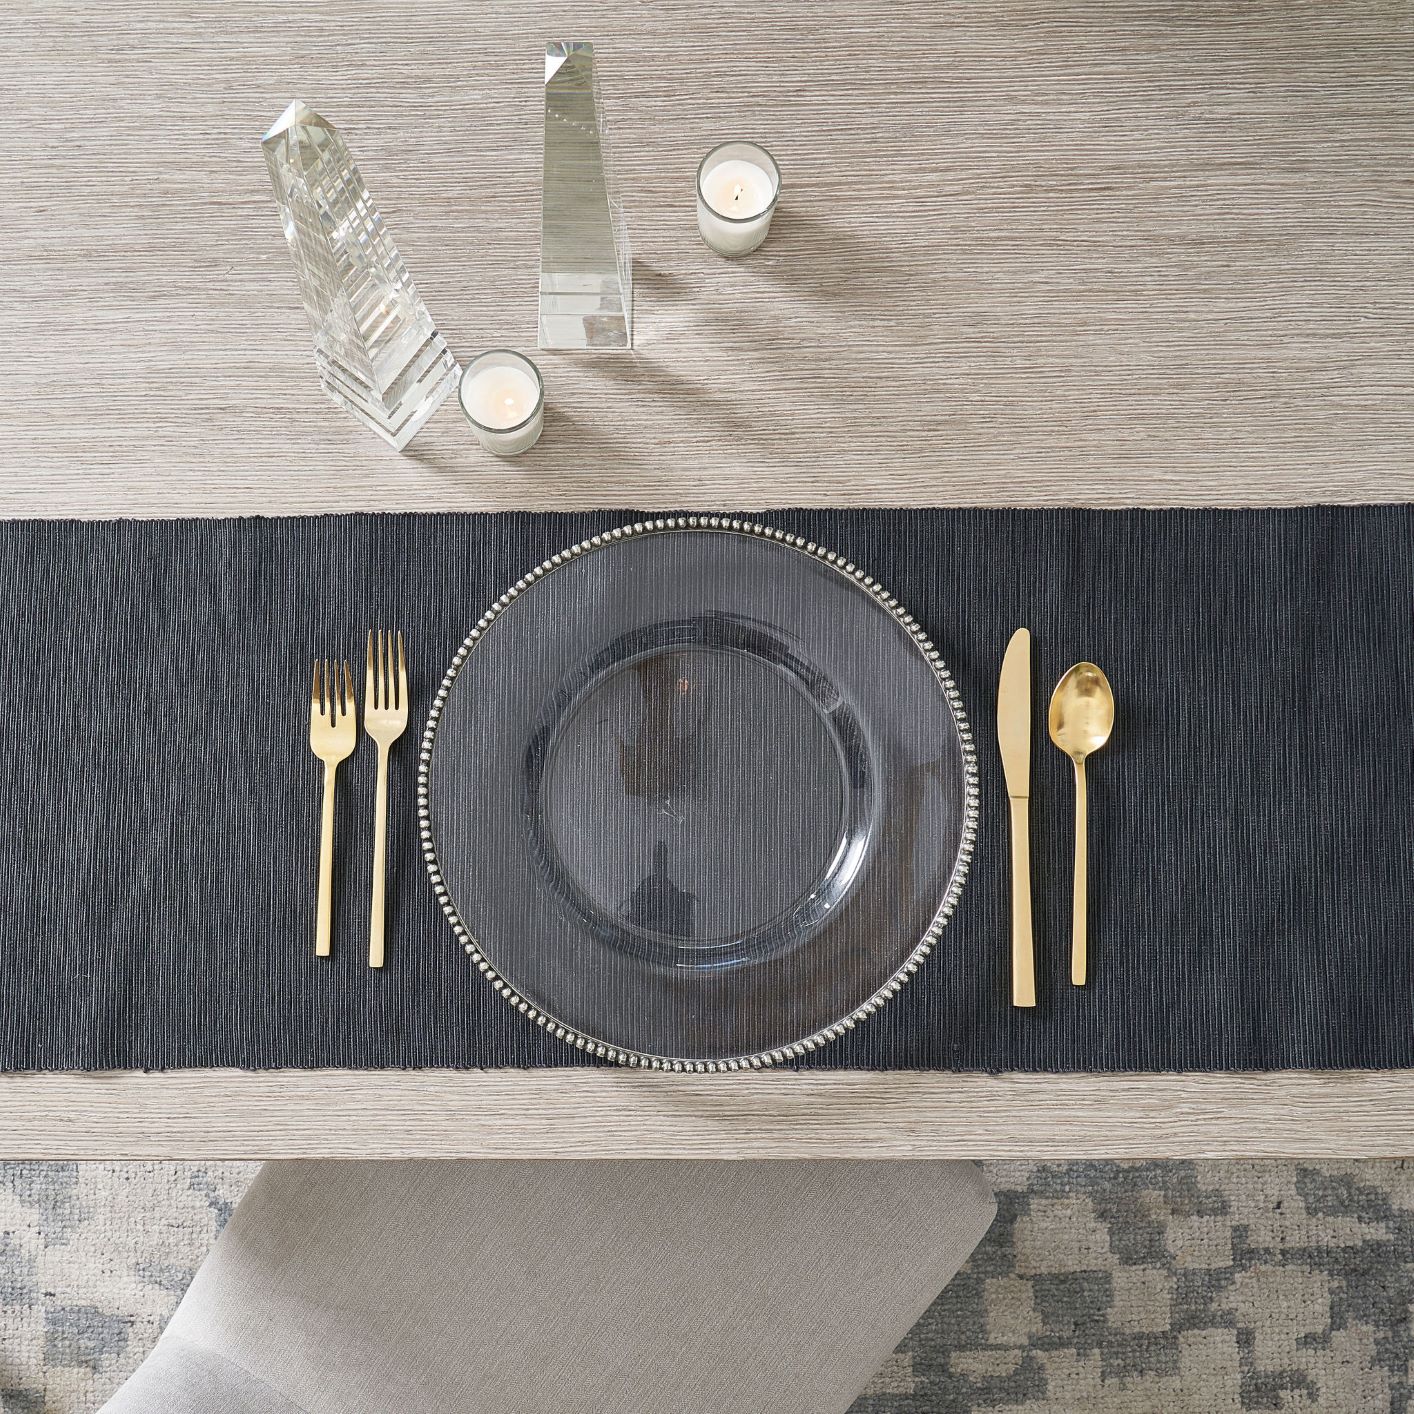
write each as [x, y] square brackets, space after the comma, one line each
[385, 718]
[333, 730]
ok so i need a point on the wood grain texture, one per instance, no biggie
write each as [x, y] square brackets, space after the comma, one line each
[629, 1114]
[1105, 254]
[1100, 254]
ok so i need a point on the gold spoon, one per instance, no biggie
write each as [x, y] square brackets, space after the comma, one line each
[1081, 717]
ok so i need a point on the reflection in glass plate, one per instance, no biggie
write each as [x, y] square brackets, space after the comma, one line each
[697, 794]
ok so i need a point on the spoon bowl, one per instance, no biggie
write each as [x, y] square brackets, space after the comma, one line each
[1081, 718]
[1082, 713]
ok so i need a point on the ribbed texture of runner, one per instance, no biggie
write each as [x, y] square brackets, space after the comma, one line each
[1252, 820]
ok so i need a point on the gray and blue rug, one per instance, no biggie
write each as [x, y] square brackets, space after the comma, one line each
[1186, 1288]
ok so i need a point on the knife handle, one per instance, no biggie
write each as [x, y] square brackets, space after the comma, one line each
[1023, 961]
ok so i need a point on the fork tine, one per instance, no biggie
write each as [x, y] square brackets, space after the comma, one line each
[402, 675]
[348, 691]
[390, 694]
[326, 695]
[370, 684]
[314, 692]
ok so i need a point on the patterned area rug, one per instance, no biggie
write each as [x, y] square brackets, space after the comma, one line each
[1186, 1288]
[93, 1259]
[1176, 1288]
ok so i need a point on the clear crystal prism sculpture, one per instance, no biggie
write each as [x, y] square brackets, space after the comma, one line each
[378, 352]
[586, 271]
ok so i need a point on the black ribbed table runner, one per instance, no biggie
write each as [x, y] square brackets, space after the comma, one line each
[1251, 851]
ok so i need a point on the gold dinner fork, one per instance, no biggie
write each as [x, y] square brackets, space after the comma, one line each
[385, 718]
[333, 731]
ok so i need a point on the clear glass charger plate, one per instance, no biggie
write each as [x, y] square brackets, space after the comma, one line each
[697, 794]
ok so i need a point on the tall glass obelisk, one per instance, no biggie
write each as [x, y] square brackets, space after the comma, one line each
[377, 350]
[586, 270]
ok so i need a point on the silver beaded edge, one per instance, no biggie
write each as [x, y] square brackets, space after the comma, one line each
[589, 1044]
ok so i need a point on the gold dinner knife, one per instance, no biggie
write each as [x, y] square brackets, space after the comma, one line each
[1014, 739]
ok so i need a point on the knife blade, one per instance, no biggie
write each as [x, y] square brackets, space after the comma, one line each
[1014, 742]
[1014, 714]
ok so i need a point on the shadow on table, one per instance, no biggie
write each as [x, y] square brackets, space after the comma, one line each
[699, 400]
[652, 286]
[818, 262]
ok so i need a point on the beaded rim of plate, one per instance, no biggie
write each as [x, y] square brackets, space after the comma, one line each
[591, 1045]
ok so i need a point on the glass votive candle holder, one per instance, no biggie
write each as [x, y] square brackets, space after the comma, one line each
[503, 397]
[738, 184]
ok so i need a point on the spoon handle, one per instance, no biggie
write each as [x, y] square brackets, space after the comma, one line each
[1077, 926]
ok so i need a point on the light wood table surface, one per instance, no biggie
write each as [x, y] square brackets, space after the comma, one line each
[1108, 254]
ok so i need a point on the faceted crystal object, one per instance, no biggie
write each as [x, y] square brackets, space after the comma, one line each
[586, 271]
[378, 352]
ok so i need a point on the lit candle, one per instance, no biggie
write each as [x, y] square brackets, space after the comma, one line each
[503, 397]
[737, 187]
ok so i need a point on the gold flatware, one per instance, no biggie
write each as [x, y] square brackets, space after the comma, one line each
[1081, 718]
[1014, 739]
[333, 731]
[385, 718]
